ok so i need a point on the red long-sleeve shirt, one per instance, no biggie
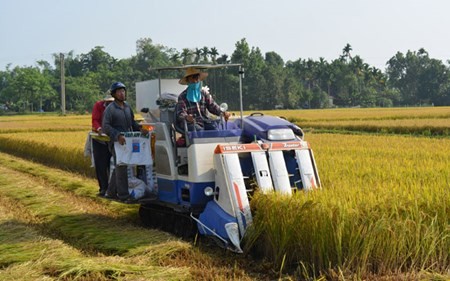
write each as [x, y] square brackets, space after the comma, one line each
[97, 115]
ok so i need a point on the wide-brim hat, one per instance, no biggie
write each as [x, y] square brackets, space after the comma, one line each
[108, 98]
[192, 71]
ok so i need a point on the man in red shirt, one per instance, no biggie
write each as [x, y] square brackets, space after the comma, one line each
[102, 155]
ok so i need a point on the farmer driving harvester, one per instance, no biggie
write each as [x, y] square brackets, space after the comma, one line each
[194, 101]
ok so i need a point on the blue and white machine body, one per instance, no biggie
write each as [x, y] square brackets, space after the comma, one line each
[210, 175]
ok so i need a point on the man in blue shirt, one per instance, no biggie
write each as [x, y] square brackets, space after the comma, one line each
[118, 118]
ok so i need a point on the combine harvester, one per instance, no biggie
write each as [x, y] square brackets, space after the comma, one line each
[203, 183]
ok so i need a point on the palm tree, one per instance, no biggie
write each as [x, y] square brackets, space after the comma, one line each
[346, 52]
[175, 58]
[205, 53]
[213, 52]
[198, 53]
[186, 56]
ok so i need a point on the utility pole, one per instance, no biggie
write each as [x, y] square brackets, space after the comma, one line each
[63, 85]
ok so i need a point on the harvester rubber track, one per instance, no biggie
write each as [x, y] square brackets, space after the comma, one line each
[160, 217]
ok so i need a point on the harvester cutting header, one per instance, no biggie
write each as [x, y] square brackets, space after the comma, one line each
[206, 176]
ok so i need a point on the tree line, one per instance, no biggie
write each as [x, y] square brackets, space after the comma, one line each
[410, 79]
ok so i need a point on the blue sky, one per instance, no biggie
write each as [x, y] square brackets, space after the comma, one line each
[32, 30]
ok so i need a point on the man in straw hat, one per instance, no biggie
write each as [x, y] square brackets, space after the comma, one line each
[194, 101]
[100, 150]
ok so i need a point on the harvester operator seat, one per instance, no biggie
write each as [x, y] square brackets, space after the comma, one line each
[178, 128]
[176, 123]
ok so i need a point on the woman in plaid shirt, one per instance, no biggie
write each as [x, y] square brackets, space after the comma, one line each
[194, 101]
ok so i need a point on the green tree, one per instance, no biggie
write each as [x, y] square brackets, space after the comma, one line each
[274, 73]
[198, 55]
[82, 92]
[186, 56]
[205, 54]
[319, 98]
[148, 56]
[175, 58]
[346, 56]
[292, 92]
[230, 81]
[255, 83]
[419, 78]
[213, 53]
[242, 52]
[97, 60]
[27, 89]
[5, 78]
[223, 59]
[52, 100]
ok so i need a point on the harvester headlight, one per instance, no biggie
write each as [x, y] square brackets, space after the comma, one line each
[209, 191]
[233, 233]
[280, 134]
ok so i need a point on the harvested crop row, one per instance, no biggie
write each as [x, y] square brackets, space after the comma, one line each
[78, 220]
[27, 254]
[59, 205]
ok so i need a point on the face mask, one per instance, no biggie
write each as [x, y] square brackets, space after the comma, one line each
[193, 92]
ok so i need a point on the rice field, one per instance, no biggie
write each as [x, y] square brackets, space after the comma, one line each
[426, 121]
[422, 126]
[363, 113]
[63, 149]
[382, 210]
[44, 123]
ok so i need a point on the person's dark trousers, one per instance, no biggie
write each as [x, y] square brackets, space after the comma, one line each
[118, 184]
[122, 182]
[207, 125]
[102, 158]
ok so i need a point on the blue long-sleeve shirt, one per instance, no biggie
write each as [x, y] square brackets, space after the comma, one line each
[117, 119]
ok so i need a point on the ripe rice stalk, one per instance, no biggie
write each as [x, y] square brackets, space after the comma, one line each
[36, 123]
[341, 114]
[383, 208]
[427, 127]
[49, 153]
[62, 139]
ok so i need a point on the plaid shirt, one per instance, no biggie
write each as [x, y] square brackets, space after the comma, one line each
[196, 109]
